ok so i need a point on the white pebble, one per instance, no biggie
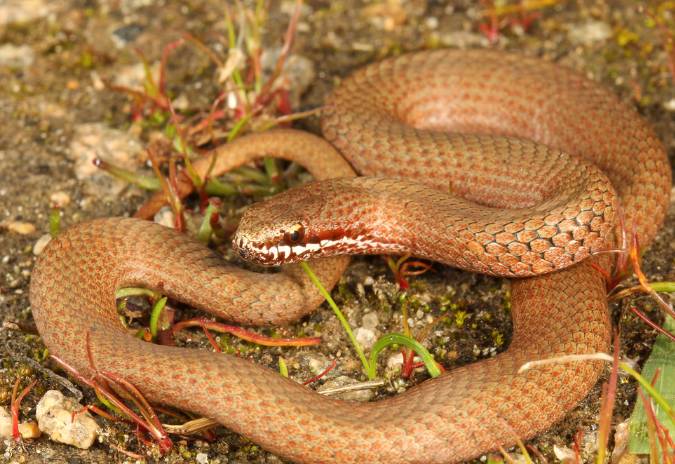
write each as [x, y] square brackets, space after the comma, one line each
[41, 243]
[365, 337]
[64, 421]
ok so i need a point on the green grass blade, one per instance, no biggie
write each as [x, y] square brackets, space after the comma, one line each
[400, 339]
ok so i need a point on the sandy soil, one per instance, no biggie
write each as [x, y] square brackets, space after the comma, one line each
[53, 58]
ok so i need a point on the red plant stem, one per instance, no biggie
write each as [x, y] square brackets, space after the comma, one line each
[651, 324]
[166, 52]
[95, 409]
[16, 404]
[212, 340]
[608, 399]
[323, 373]
[244, 334]
[407, 367]
[577, 445]
[139, 457]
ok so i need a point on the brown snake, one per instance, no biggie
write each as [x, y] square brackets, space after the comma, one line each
[561, 211]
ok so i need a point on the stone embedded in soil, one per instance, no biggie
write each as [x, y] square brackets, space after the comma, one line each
[365, 337]
[370, 320]
[463, 39]
[64, 421]
[134, 76]
[18, 227]
[92, 141]
[299, 72]
[16, 56]
[317, 363]
[589, 33]
[59, 199]
[23, 11]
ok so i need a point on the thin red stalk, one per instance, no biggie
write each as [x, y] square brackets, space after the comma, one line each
[323, 373]
[139, 457]
[153, 427]
[540, 457]
[212, 340]
[141, 97]
[16, 404]
[203, 48]
[652, 324]
[608, 400]
[95, 409]
[244, 334]
[577, 446]
[407, 367]
[651, 422]
[170, 192]
[285, 49]
[166, 52]
[143, 405]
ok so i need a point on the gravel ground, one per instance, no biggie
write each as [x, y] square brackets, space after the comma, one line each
[56, 113]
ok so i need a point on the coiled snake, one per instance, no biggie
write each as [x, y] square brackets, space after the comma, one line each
[509, 203]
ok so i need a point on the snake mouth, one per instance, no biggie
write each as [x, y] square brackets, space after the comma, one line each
[277, 254]
[274, 254]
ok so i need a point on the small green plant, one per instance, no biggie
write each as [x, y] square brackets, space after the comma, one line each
[370, 366]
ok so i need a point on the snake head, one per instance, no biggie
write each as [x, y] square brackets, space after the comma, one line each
[290, 227]
[318, 219]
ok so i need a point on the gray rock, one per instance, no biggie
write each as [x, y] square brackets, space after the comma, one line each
[365, 337]
[297, 75]
[92, 141]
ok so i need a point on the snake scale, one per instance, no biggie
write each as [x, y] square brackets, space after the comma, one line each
[491, 136]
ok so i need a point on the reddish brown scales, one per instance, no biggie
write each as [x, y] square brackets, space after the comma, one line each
[466, 411]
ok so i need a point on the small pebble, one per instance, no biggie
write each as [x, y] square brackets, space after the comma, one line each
[23, 11]
[165, 217]
[564, 454]
[395, 360]
[370, 320]
[59, 199]
[18, 227]
[365, 337]
[14, 56]
[298, 74]
[55, 417]
[41, 244]
[589, 33]
[317, 364]
[95, 140]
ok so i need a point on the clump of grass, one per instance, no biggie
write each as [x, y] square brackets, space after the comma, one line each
[370, 365]
[249, 101]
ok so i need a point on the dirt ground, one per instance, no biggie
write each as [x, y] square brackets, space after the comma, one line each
[54, 57]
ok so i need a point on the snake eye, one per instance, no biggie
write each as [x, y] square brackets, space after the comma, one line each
[295, 233]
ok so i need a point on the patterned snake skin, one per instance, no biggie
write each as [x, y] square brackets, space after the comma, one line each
[385, 120]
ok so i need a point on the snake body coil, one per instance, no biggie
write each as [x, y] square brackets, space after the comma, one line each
[386, 119]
